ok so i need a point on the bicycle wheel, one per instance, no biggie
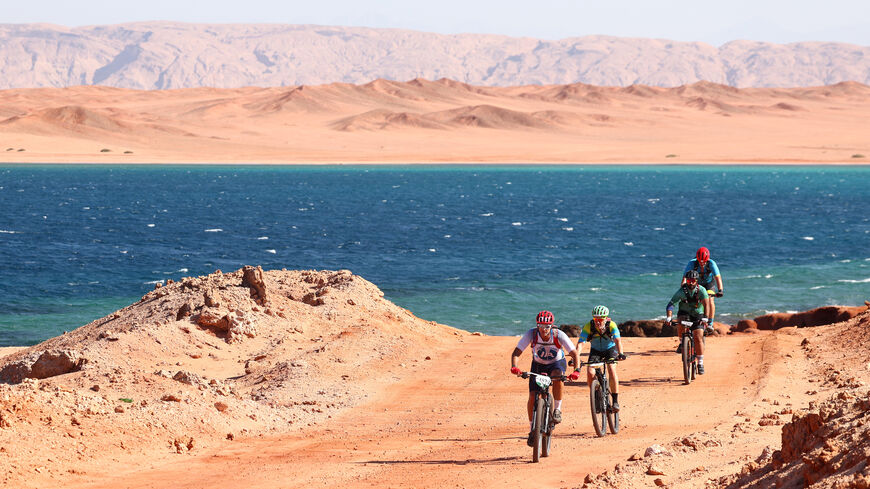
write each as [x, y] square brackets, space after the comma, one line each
[612, 418]
[539, 429]
[596, 401]
[547, 434]
[688, 359]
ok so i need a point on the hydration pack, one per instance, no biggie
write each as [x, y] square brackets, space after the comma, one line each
[552, 333]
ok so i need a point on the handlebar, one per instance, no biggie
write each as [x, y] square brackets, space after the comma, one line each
[609, 361]
[525, 375]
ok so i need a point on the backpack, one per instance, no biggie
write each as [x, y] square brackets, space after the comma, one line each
[606, 334]
[555, 338]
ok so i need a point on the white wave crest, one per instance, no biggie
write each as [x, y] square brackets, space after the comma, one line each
[154, 282]
[151, 225]
[808, 238]
[213, 230]
[817, 287]
[3, 231]
[488, 214]
[516, 224]
[628, 243]
[567, 229]
[263, 238]
[848, 281]
[271, 251]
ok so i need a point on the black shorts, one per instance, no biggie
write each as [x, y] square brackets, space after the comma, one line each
[546, 369]
[596, 356]
[695, 318]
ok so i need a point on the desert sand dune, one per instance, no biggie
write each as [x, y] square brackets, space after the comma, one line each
[438, 121]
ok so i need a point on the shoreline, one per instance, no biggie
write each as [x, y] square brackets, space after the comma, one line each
[754, 163]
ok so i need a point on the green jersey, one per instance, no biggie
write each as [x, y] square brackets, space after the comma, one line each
[689, 304]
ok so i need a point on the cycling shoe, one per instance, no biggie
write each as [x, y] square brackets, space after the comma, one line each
[557, 416]
[531, 441]
[614, 407]
[701, 369]
[680, 348]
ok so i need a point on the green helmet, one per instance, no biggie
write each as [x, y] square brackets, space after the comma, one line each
[600, 311]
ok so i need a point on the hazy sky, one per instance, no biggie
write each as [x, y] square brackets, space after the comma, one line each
[715, 23]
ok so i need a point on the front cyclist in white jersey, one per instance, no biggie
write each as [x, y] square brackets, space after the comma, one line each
[547, 358]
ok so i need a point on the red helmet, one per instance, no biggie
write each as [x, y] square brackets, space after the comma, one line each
[545, 317]
[703, 254]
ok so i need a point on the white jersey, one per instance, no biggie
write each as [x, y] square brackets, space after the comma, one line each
[549, 350]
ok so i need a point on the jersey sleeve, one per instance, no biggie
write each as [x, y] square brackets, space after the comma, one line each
[614, 330]
[715, 268]
[688, 267]
[566, 342]
[525, 340]
[677, 297]
[584, 332]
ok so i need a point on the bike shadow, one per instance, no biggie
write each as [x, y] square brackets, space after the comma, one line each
[467, 461]
[650, 381]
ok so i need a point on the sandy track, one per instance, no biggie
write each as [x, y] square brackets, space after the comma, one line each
[458, 420]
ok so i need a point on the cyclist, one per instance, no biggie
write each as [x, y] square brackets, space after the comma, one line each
[605, 343]
[708, 273]
[547, 358]
[693, 303]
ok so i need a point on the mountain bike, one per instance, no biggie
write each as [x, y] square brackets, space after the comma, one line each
[600, 399]
[687, 341]
[542, 431]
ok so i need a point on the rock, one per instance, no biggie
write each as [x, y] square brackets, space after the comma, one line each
[646, 328]
[95, 388]
[42, 365]
[635, 456]
[221, 406]
[572, 330]
[119, 409]
[588, 479]
[253, 278]
[745, 324]
[170, 398]
[659, 482]
[653, 470]
[655, 450]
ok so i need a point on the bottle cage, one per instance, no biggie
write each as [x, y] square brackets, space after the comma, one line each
[543, 381]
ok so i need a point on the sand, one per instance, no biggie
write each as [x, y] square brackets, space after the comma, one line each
[444, 121]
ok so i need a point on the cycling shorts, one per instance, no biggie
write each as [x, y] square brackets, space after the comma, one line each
[547, 369]
[695, 318]
[596, 356]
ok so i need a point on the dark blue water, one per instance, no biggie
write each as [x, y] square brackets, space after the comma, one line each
[479, 247]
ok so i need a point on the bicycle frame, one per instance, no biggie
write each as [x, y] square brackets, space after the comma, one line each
[542, 415]
[600, 399]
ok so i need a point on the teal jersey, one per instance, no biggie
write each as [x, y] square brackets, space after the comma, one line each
[600, 342]
[693, 304]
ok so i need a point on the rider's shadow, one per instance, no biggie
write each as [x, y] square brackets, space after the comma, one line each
[649, 381]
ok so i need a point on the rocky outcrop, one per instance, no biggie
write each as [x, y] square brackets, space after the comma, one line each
[42, 365]
[814, 317]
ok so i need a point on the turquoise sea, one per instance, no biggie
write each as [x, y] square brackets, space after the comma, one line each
[481, 248]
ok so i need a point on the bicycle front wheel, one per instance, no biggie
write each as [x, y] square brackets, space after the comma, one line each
[547, 434]
[688, 359]
[537, 435]
[597, 403]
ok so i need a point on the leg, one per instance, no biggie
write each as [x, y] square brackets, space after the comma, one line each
[557, 384]
[699, 344]
[712, 312]
[614, 379]
[531, 405]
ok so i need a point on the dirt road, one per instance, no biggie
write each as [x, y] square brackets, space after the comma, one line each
[458, 420]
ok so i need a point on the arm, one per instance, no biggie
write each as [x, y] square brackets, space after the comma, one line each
[719, 284]
[619, 349]
[514, 356]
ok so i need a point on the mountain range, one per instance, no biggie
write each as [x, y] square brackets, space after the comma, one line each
[170, 55]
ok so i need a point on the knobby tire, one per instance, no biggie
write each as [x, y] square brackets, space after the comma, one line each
[547, 435]
[597, 405]
[538, 430]
[612, 418]
[688, 359]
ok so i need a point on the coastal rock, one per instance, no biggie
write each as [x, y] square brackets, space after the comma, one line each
[42, 365]
[814, 317]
